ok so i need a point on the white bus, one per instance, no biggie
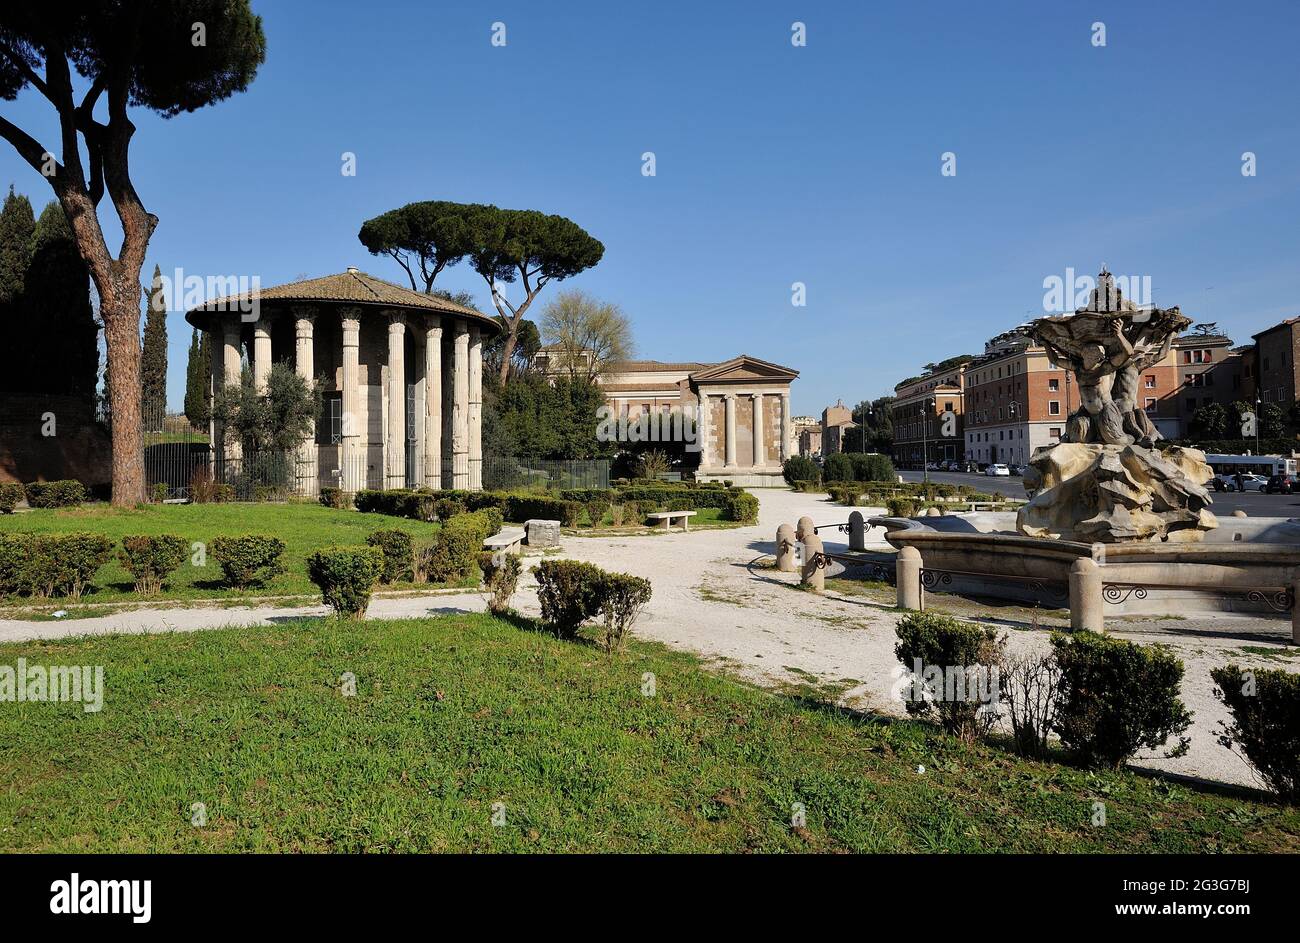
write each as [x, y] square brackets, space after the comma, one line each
[1266, 465]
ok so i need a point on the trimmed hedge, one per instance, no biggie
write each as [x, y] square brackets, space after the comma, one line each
[799, 468]
[1116, 697]
[346, 577]
[334, 498]
[249, 559]
[151, 558]
[1265, 724]
[569, 593]
[966, 657]
[397, 550]
[10, 494]
[55, 494]
[51, 564]
[741, 507]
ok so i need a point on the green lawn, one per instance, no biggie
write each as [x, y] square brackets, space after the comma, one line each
[455, 714]
[303, 527]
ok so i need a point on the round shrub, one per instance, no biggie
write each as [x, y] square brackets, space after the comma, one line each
[1265, 724]
[334, 498]
[798, 468]
[248, 560]
[55, 494]
[1116, 697]
[10, 494]
[569, 593]
[900, 507]
[397, 548]
[741, 507]
[500, 578]
[964, 686]
[622, 597]
[837, 467]
[346, 577]
[150, 558]
[64, 564]
[459, 543]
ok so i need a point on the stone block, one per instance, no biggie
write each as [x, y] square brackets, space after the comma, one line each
[542, 533]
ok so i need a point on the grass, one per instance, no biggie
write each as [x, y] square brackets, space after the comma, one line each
[303, 527]
[455, 714]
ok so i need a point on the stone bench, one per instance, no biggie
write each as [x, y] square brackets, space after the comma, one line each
[669, 516]
[511, 540]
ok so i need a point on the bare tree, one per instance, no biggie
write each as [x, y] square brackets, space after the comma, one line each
[585, 335]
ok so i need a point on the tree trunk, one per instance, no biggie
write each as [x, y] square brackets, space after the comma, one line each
[119, 301]
[508, 350]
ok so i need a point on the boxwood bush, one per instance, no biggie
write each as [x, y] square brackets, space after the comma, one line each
[334, 498]
[248, 560]
[397, 548]
[151, 558]
[1117, 697]
[569, 592]
[500, 578]
[55, 494]
[10, 494]
[1265, 724]
[346, 577]
[966, 656]
[741, 507]
[459, 543]
[799, 468]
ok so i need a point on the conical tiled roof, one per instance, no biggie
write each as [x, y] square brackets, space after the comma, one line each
[352, 287]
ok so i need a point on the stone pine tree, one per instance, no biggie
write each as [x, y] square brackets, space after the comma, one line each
[153, 358]
[168, 56]
[522, 247]
[197, 372]
[58, 311]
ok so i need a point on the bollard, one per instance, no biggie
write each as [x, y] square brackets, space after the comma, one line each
[907, 575]
[1295, 609]
[1086, 610]
[857, 532]
[814, 564]
[1239, 513]
[785, 548]
[804, 530]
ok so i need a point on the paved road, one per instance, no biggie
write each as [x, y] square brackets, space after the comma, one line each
[1253, 503]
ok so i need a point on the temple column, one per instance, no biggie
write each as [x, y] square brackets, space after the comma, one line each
[215, 376]
[433, 402]
[475, 409]
[304, 325]
[731, 430]
[351, 461]
[395, 440]
[460, 408]
[787, 427]
[231, 331]
[261, 353]
[702, 430]
[760, 454]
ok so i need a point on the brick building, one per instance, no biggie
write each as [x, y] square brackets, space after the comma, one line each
[1275, 354]
[1210, 370]
[927, 416]
[836, 420]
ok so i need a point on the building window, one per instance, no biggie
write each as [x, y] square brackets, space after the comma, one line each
[1151, 381]
[1053, 385]
[329, 431]
[1151, 404]
[1054, 432]
[1054, 407]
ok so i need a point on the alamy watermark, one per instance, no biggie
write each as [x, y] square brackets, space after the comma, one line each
[23, 682]
[673, 425]
[241, 293]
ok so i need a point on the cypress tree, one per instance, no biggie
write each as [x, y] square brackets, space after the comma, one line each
[56, 306]
[196, 380]
[153, 358]
[17, 234]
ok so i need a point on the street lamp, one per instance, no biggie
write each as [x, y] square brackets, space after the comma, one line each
[925, 450]
[1011, 411]
[1258, 404]
[863, 428]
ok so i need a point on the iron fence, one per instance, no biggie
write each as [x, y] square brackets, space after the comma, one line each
[505, 472]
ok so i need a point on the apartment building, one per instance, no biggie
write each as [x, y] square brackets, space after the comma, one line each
[927, 415]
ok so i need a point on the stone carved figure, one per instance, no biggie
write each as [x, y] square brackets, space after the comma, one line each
[1106, 480]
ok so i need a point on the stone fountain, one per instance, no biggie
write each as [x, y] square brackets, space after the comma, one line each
[1108, 480]
[1116, 523]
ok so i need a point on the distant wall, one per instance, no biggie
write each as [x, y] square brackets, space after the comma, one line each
[80, 447]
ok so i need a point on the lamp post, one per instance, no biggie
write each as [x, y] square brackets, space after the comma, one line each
[925, 449]
[863, 428]
[1011, 411]
[1258, 421]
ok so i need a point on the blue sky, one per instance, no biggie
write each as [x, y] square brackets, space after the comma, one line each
[775, 164]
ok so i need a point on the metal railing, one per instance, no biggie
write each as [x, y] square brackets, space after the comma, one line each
[504, 473]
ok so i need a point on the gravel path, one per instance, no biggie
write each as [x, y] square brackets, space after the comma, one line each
[711, 600]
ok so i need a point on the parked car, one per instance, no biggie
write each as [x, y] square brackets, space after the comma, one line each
[1228, 482]
[995, 471]
[1016, 470]
[1281, 484]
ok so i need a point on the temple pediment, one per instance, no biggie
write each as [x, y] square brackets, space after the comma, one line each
[744, 368]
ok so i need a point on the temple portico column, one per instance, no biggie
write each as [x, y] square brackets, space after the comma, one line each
[304, 325]
[787, 427]
[395, 440]
[702, 431]
[231, 331]
[350, 458]
[731, 430]
[261, 353]
[433, 402]
[460, 408]
[760, 455]
[475, 409]
[216, 376]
